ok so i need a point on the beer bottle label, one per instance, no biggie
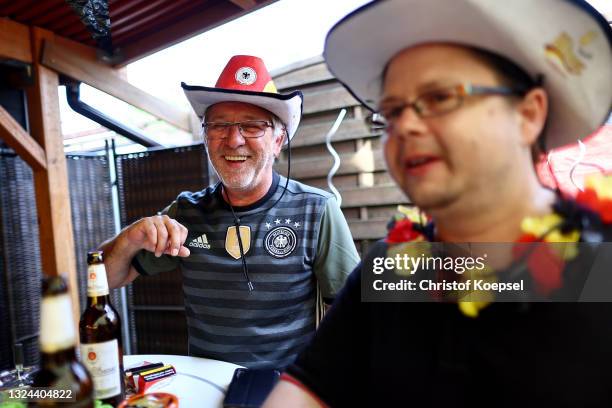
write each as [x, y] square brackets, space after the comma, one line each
[102, 362]
[57, 331]
[97, 284]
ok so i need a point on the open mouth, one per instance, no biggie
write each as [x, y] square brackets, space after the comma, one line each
[235, 158]
[419, 165]
[420, 161]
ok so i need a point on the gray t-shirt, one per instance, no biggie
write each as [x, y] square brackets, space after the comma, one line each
[289, 245]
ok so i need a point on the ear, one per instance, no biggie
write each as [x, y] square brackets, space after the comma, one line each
[533, 111]
[278, 143]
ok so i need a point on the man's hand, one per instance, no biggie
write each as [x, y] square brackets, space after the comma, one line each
[159, 234]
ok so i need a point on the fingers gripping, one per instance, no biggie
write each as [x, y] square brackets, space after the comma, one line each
[163, 235]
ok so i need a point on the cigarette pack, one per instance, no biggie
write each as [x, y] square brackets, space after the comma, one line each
[146, 379]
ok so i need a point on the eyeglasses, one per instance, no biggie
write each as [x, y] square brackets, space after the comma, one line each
[435, 103]
[249, 129]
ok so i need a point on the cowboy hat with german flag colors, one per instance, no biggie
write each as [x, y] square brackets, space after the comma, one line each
[566, 43]
[246, 79]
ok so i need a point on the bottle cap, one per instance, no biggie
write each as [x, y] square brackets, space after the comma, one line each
[95, 257]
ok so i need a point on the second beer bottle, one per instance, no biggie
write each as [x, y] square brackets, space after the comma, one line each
[100, 331]
[59, 367]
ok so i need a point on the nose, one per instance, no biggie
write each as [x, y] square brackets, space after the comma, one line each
[234, 138]
[408, 123]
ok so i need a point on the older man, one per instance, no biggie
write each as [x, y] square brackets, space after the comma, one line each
[253, 247]
[469, 91]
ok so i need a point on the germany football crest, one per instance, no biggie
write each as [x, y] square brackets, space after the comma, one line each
[280, 241]
[231, 241]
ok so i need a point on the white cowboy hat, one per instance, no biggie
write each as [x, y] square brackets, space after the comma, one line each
[567, 42]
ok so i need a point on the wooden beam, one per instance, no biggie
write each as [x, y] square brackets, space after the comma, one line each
[350, 163]
[79, 62]
[302, 76]
[336, 97]
[373, 196]
[14, 41]
[19, 140]
[244, 4]
[314, 134]
[370, 229]
[51, 184]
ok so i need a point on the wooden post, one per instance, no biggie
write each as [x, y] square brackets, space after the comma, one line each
[51, 184]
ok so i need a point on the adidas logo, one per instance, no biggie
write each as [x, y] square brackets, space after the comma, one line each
[200, 242]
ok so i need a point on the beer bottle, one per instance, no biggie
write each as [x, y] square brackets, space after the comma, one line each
[59, 367]
[100, 330]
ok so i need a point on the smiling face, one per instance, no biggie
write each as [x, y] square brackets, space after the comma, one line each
[244, 165]
[460, 156]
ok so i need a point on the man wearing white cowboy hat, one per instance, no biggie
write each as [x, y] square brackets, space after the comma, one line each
[254, 247]
[469, 93]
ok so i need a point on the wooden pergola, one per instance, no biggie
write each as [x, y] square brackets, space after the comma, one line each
[49, 40]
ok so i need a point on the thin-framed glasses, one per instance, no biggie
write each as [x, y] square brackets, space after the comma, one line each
[434, 103]
[249, 129]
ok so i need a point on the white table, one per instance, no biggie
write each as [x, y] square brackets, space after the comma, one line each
[199, 382]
